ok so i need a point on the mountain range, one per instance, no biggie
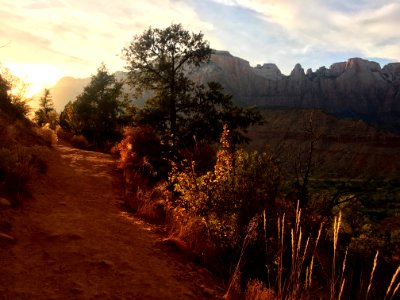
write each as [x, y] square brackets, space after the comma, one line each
[356, 88]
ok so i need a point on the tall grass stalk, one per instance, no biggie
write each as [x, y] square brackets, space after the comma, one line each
[391, 284]
[281, 237]
[234, 285]
[310, 268]
[342, 279]
[299, 278]
[336, 229]
[395, 291]
[294, 286]
[266, 246]
[372, 275]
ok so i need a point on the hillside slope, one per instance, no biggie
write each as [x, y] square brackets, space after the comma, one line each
[344, 148]
[73, 241]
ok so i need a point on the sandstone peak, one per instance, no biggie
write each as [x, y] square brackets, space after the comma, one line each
[297, 71]
[362, 65]
[221, 52]
[392, 71]
[337, 69]
[268, 71]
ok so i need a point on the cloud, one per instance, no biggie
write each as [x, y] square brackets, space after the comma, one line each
[77, 35]
[84, 33]
[366, 28]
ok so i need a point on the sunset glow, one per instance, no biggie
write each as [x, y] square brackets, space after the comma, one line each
[47, 39]
[39, 76]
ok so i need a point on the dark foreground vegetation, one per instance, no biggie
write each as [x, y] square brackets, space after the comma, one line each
[23, 146]
[268, 232]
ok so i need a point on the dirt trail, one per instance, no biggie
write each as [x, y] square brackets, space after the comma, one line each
[74, 241]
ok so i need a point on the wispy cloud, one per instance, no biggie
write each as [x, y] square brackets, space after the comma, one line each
[90, 31]
[365, 28]
[77, 35]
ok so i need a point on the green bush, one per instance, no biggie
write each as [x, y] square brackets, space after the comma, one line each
[242, 185]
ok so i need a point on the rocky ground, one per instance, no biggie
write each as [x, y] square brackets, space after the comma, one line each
[73, 240]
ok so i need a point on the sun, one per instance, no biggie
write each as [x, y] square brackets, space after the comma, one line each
[38, 76]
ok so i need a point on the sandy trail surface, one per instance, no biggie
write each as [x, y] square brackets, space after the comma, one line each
[73, 240]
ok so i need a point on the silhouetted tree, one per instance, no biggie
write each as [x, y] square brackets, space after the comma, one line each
[46, 113]
[100, 111]
[182, 112]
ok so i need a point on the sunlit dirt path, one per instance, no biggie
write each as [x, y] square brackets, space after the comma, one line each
[73, 241]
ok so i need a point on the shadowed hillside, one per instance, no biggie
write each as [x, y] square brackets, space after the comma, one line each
[345, 148]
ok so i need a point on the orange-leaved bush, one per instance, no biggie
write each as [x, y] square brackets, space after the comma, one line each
[141, 150]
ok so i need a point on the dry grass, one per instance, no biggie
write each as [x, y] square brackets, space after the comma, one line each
[296, 282]
[149, 204]
[17, 165]
[256, 290]
[234, 289]
[337, 280]
[389, 289]
[48, 135]
[372, 274]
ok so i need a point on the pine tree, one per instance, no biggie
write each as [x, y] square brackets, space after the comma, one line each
[46, 113]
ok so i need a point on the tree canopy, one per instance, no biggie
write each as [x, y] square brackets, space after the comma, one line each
[99, 111]
[182, 111]
[12, 94]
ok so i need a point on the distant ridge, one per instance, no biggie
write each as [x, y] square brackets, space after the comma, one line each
[357, 88]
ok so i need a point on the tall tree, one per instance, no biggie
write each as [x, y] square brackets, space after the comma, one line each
[100, 111]
[158, 60]
[46, 113]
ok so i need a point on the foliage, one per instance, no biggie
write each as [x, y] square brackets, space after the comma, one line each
[46, 113]
[49, 135]
[140, 150]
[68, 120]
[12, 91]
[17, 165]
[241, 185]
[369, 208]
[79, 141]
[182, 112]
[99, 112]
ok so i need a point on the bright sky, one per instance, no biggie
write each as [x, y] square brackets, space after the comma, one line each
[48, 39]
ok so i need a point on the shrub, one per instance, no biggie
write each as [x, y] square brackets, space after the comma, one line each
[241, 185]
[17, 165]
[204, 156]
[49, 135]
[63, 135]
[79, 141]
[141, 150]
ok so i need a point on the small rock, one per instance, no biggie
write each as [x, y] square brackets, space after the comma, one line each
[207, 291]
[106, 263]
[76, 290]
[5, 202]
[74, 236]
[6, 239]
